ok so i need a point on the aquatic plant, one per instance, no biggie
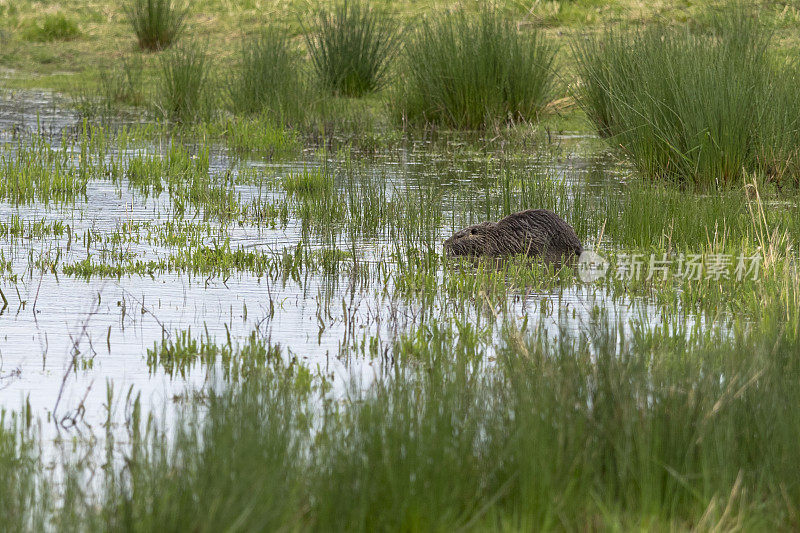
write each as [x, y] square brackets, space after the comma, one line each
[313, 182]
[261, 135]
[156, 23]
[351, 46]
[474, 71]
[25, 497]
[123, 83]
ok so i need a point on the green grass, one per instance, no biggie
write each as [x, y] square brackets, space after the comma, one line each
[655, 432]
[24, 494]
[156, 23]
[474, 71]
[261, 136]
[40, 172]
[314, 182]
[472, 416]
[351, 46]
[707, 107]
[183, 83]
[269, 78]
[123, 83]
[176, 355]
[52, 27]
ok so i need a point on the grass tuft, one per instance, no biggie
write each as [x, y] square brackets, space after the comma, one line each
[183, 79]
[351, 47]
[53, 27]
[268, 79]
[156, 23]
[473, 71]
[708, 108]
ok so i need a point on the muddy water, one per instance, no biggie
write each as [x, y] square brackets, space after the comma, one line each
[64, 341]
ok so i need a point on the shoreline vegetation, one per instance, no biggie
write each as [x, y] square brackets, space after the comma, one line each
[352, 67]
[303, 157]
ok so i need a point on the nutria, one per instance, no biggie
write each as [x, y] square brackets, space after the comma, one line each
[535, 232]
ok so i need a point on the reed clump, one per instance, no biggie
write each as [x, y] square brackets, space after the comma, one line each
[183, 79]
[269, 78]
[702, 107]
[474, 71]
[156, 23]
[351, 47]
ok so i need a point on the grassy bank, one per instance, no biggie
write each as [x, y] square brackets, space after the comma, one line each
[379, 71]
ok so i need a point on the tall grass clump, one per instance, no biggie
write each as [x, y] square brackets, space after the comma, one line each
[268, 79]
[156, 23]
[184, 74]
[351, 47]
[52, 27]
[704, 107]
[473, 71]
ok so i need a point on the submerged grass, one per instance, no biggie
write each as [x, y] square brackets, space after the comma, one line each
[471, 72]
[707, 108]
[351, 46]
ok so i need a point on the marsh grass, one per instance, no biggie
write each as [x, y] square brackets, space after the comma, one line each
[309, 182]
[178, 354]
[52, 27]
[269, 78]
[124, 82]
[704, 107]
[653, 432]
[24, 497]
[474, 71]
[156, 23]
[470, 421]
[184, 76]
[41, 172]
[351, 46]
[261, 135]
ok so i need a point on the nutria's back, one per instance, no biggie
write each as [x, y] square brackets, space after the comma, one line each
[535, 232]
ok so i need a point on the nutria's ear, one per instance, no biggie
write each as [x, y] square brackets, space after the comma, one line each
[473, 231]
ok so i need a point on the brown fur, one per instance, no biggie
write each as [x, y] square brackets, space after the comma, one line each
[535, 232]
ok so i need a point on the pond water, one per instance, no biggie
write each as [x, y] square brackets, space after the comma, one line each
[65, 339]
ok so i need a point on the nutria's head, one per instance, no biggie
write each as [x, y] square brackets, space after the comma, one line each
[474, 240]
